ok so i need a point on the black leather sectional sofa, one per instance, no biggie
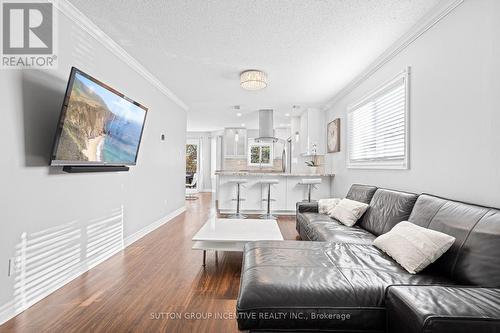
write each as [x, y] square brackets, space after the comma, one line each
[336, 281]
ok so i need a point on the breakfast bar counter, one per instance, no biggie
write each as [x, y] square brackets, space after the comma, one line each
[285, 194]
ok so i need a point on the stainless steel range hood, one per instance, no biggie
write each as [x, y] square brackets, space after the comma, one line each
[266, 126]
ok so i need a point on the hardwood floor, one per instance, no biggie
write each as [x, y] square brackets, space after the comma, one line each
[157, 284]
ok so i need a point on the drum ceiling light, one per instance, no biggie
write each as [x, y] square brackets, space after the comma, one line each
[253, 79]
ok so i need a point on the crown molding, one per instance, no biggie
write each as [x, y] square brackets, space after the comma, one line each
[425, 24]
[71, 12]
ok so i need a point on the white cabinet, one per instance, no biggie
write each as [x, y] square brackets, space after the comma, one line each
[296, 192]
[312, 132]
[278, 194]
[250, 192]
[282, 133]
[235, 142]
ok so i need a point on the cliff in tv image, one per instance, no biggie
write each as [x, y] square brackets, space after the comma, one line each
[84, 126]
[99, 125]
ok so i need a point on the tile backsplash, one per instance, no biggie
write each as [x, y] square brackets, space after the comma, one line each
[238, 164]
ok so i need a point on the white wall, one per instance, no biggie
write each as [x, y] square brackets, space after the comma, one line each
[205, 179]
[59, 224]
[455, 110]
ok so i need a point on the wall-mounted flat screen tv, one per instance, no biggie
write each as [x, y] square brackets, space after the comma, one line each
[97, 126]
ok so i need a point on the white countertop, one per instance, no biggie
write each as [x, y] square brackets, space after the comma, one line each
[270, 173]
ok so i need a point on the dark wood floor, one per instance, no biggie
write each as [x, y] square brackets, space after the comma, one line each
[138, 289]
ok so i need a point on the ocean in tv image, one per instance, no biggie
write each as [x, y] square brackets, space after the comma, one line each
[99, 126]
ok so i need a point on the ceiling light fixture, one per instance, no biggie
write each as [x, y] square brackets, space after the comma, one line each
[287, 115]
[238, 114]
[253, 79]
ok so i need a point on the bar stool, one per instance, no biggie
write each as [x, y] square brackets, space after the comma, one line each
[239, 183]
[310, 183]
[269, 182]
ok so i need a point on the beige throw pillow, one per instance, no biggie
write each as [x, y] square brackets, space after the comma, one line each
[348, 211]
[326, 205]
[412, 246]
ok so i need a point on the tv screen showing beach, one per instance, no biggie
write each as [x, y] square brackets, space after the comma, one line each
[98, 126]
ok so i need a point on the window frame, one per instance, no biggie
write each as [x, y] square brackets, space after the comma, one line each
[380, 163]
[260, 145]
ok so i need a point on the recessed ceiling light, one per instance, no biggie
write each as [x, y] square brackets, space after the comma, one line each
[243, 125]
[287, 115]
[238, 114]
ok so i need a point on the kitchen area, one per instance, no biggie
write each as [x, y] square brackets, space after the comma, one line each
[282, 163]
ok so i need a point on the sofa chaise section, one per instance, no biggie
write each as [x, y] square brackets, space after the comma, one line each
[320, 285]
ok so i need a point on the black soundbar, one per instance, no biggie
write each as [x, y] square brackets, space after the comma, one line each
[94, 168]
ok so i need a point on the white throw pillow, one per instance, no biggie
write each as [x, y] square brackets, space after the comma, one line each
[348, 211]
[326, 205]
[412, 246]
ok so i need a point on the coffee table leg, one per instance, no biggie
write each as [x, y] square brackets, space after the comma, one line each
[204, 257]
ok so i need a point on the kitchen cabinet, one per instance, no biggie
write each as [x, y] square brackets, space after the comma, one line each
[251, 192]
[278, 196]
[235, 142]
[312, 132]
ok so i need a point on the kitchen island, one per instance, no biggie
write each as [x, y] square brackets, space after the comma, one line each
[286, 193]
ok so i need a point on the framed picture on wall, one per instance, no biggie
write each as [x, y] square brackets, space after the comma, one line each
[333, 136]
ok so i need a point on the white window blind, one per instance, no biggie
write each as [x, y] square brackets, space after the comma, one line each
[378, 128]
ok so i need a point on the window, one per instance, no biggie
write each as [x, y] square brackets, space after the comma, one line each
[260, 154]
[377, 128]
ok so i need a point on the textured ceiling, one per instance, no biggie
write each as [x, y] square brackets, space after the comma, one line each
[310, 49]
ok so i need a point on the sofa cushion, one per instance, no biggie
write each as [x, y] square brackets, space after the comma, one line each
[348, 211]
[337, 232]
[289, 284]
[305, 220]
[320, 227]
[387, 208]
[474, 258]
[412, 246]
[361, 193]
[443, 309]
[326, 205]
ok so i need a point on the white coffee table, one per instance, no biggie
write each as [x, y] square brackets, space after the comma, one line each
[232, 234]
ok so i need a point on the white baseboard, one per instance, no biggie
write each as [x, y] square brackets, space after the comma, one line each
[146, 230]
[11, 309]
